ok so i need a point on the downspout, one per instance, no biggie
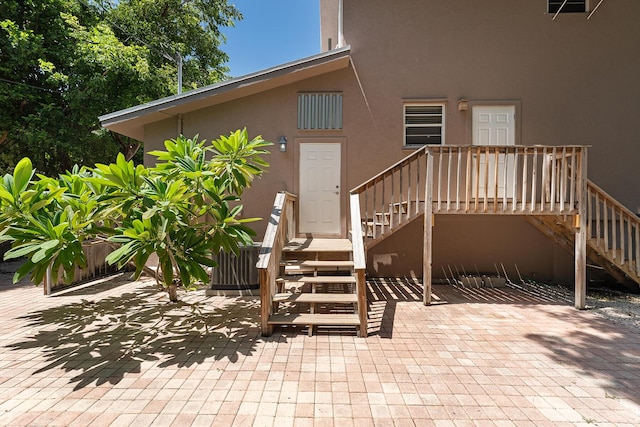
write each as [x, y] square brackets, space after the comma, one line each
[179, 124]
[340, 22]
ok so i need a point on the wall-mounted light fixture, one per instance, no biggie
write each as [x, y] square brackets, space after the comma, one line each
[283, 144]
[463, 104]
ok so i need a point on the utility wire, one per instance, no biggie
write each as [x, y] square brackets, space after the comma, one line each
[133, 36]
[13, 82]
[178, 56]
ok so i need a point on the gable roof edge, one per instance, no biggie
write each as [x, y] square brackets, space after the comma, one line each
[131, 121]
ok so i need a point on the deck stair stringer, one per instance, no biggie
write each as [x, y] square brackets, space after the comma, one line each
[614, 262]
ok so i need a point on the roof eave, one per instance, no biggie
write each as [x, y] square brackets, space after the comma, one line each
[131, 121]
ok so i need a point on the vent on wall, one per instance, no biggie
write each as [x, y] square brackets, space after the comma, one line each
[236, 274]
[567, 6]
[320, 111]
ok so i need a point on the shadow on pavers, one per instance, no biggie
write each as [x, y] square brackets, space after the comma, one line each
[606, 352]
[111, 337]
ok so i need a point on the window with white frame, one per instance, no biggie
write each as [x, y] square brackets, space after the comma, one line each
[423, 124]
[567, 6]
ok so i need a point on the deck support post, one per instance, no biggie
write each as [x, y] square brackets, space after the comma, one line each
[265, 302]
[580, 252]
[361, 286]
[427, 243]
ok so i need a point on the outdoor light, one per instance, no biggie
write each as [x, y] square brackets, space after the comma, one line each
[463, 105]
[283, 144]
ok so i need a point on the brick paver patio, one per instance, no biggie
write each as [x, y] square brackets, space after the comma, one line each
[116, 354]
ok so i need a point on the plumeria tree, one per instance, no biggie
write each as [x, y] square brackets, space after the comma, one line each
[183, 210]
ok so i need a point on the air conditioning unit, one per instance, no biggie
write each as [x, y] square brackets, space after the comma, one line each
[236, 274]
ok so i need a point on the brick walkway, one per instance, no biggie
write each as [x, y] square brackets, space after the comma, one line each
[116, 354]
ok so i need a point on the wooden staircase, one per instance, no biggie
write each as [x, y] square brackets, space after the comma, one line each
[316, 287]
[613, 236]
[310, 282]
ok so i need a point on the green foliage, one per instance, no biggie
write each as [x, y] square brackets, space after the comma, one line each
[46, 220]
[184, 209]
[63, 63]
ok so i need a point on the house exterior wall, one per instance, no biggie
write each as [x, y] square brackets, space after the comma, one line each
[272, 114]
[576, 79]
[574, 82]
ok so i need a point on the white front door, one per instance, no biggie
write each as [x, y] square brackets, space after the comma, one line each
[319, 204]
[493, 125]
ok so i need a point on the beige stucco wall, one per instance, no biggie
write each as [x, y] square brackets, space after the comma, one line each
[574, 82]
[577, 80]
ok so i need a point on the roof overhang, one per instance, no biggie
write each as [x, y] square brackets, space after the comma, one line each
[131, 121]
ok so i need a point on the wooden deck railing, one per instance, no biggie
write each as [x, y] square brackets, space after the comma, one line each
[280, 229]
[506, 179]
[613, 230]
[394, 196]
[359, 262]
[520, 180]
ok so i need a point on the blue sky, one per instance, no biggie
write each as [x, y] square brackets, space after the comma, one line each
[272, 32]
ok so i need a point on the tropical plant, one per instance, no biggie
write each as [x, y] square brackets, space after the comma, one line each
[184, 210]
[47, 220]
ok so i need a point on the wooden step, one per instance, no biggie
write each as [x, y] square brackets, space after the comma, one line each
[326, 280]
[316, 298]
[314, 319]
[310, 266]
[297, 280]
[315, 264]
[318, 245]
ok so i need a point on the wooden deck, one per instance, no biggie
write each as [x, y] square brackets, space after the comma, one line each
[547, 184]
[477, 180]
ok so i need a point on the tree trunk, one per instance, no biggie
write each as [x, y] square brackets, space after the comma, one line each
[173, 293]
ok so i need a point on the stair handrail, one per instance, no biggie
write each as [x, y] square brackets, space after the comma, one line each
[403, 203]
[605, 240]
[281, 228]
[610, 199]
[394, 167]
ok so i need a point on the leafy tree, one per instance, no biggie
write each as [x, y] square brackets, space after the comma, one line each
[184, 209]
[189, 28]
[63, 63]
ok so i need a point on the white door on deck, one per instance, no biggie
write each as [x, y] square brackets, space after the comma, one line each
[494, 125]
[319, 203]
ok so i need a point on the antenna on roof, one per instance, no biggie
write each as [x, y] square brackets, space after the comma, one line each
[340, 23]
[179, 73]
[594, 9]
